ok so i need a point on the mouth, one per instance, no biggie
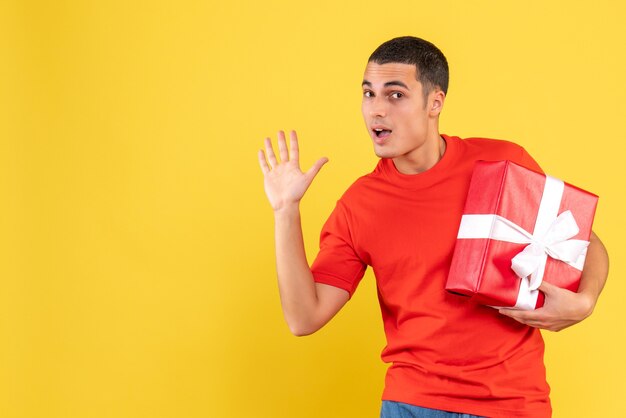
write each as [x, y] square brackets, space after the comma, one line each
[381, 133]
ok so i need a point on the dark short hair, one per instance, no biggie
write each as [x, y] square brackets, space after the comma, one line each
[430, 63]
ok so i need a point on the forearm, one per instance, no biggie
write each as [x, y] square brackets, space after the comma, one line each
[295, 281]
[595, 271]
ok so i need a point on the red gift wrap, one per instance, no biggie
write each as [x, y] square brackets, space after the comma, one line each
[519, 228]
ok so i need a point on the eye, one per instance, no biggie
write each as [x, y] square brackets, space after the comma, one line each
[367, 93]
[397, 95]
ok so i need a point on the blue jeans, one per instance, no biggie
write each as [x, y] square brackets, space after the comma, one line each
[392, 409]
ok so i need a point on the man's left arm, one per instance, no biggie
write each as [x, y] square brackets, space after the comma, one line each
[563, 308]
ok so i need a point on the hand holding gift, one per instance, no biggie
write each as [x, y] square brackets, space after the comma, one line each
[563, 308]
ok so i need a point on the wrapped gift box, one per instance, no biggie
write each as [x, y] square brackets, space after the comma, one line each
[518, 228]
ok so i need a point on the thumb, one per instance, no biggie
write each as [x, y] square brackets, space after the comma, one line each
[546, 287]
[316, 167]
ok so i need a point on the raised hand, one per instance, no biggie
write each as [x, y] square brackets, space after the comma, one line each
[285, 184]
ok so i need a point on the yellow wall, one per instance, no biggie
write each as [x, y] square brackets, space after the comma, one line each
[136, 243]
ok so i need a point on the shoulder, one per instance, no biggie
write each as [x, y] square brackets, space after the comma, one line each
[491, 149]
[492, 145]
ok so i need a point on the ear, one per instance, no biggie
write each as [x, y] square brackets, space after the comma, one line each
[437, 98]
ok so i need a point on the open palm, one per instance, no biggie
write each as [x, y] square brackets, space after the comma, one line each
[285, 183]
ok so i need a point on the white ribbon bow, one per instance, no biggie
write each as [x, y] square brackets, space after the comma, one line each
[556, 243]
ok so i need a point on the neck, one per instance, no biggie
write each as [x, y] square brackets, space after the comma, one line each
[423, 158]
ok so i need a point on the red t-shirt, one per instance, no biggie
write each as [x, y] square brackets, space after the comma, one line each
[446, 352]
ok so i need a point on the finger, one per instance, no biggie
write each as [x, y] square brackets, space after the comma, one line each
[316, 167]
[282, 147]
[547, 288]
[526, 321]
[518, 314]
[263, 162]
[533, 324]
[295, 150]
[270, 152]
[508, 312]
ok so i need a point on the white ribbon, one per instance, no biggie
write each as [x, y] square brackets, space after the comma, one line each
[551, 237]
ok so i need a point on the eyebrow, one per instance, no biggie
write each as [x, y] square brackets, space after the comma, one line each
[387, 84]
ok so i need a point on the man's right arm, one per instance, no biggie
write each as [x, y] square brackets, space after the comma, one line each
[307, 306]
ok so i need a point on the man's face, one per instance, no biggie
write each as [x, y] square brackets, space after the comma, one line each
[394, 110]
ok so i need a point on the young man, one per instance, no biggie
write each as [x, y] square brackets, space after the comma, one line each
[448, 355]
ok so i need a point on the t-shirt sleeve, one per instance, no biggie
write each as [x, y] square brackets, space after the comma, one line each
[337, 263]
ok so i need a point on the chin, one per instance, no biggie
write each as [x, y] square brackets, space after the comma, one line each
[384, 153]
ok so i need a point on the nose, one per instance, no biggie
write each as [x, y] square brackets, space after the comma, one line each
[376, 107]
